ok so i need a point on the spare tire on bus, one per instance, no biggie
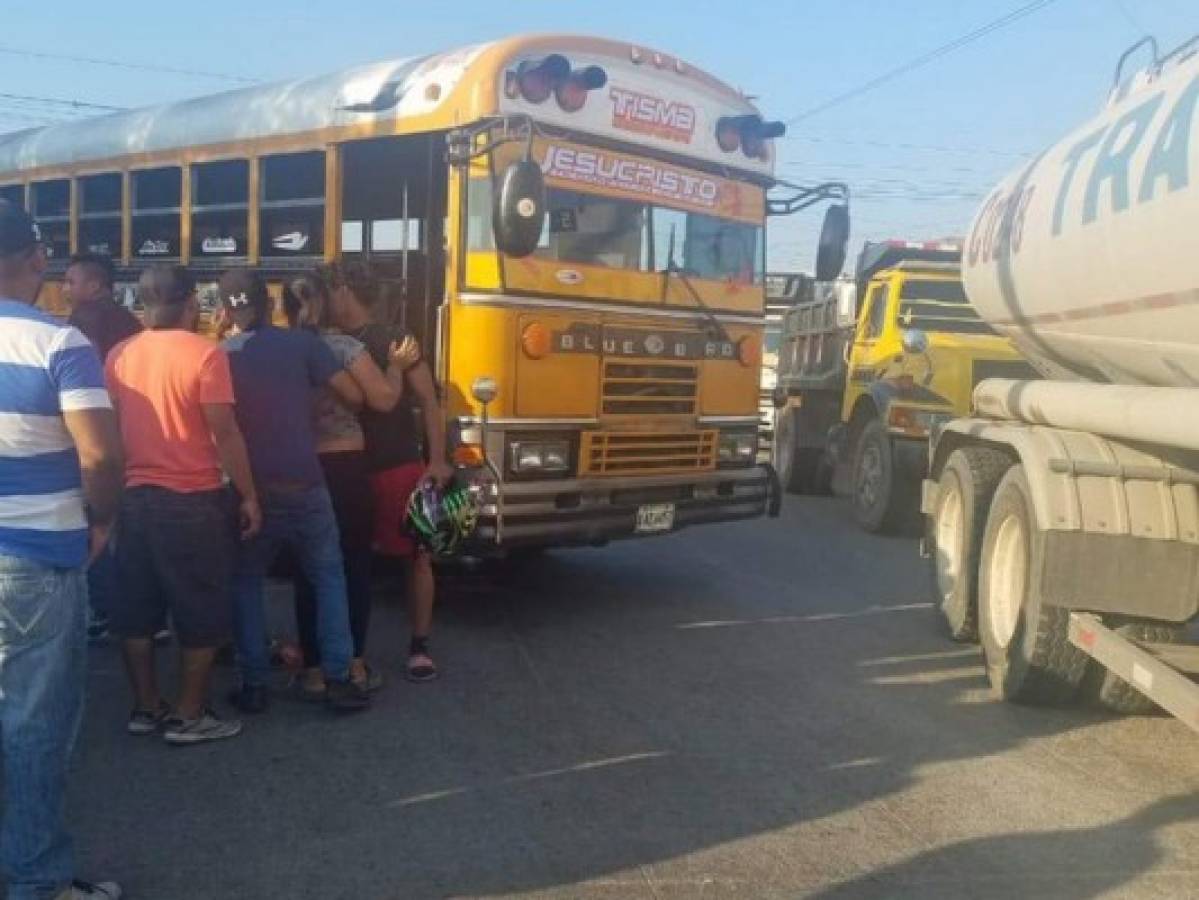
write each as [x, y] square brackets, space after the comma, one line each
[1025, 640]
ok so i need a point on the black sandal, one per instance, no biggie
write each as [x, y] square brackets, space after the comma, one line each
[420, 664]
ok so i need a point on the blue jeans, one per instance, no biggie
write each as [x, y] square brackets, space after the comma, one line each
[43, 673]
[302, 521]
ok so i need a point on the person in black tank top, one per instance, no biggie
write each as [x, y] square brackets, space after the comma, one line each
[394, 449]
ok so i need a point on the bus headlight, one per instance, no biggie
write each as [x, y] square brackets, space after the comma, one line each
[737, 448]
[539, 456]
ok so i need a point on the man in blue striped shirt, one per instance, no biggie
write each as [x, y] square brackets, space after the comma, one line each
[60, 482]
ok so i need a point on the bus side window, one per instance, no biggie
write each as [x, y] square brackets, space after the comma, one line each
[157, 197]
[100, 198]
[14, 194]
[51, 207]
[292, 217]
[220, 209]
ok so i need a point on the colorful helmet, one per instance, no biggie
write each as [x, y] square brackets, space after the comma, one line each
[441, 518]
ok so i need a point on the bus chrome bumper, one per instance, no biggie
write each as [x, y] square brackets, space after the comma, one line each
[593, 511]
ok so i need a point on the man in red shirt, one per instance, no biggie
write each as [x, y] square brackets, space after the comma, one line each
[174, 395]
[87, 288]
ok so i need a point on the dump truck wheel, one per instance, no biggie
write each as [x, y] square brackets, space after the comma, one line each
[883, 502]
[802, 470]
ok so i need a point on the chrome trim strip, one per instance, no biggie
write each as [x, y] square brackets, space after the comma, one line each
[469, 298]
[729, 420]
[472, 421]
[516, 513]
[605, 483]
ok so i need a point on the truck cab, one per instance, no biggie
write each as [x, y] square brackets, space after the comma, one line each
[909, 357]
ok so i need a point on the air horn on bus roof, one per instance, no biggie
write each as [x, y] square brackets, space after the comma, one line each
[534, 81]
[749, 133]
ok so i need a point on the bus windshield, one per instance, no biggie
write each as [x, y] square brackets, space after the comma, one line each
[589, 229]
[939, 306]
[621, 213]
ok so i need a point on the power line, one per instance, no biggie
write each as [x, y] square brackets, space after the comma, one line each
[924, 59]
[121, 64]
[61, 103]
[22, 117]
[900, 145]
[1132, 20]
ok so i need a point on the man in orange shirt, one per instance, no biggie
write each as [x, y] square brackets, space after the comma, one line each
[174, 395]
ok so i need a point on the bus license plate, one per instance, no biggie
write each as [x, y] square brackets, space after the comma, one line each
[655, 517]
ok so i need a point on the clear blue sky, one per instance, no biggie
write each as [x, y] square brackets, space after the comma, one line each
[984, 105]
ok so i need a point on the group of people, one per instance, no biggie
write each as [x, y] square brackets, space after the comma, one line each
[164, 474]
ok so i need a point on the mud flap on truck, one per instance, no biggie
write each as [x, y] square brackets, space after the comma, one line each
[1120, 525]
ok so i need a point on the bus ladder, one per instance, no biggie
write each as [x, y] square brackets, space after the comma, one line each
[1162, 672]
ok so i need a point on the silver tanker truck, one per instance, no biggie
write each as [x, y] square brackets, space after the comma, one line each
[1063, 515]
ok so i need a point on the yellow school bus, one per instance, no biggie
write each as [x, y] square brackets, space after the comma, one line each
[573, 227]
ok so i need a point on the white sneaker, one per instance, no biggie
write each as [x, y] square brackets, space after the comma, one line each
[86, 890]
[196, 731]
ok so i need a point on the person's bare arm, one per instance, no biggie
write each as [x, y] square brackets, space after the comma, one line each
[347, 389]
[420, 382]
[102, 466]
[231, 447]
[380, 391]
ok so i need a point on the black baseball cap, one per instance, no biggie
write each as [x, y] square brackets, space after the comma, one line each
[242, 288]
[18, 232]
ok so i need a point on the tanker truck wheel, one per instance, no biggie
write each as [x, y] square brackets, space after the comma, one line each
[883, 502]
[1025, 641]
[955, 532]
[1109, 690]
[802, 470]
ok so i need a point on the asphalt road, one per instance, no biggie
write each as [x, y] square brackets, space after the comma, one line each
[754, 710]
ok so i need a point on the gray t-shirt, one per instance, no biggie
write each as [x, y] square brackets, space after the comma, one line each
[332, 419]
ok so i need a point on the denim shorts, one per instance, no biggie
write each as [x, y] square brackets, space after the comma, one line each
[175, 554]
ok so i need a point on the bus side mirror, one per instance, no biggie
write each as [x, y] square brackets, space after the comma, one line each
[834, 243]
[519, 214]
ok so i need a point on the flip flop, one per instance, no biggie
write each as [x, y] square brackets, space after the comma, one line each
[420, 668]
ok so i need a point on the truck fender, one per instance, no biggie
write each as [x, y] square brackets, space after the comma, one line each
[882, 394]
[1121, 524]
[1083, 482]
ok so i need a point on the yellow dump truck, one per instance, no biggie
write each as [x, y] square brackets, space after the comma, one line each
[867, 365]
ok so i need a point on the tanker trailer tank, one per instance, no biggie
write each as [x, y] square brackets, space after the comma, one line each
[1087, 258]
[1063, 516]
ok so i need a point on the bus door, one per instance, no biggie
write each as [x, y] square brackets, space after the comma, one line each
[393, 215]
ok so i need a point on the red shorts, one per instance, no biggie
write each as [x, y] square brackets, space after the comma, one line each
[392, 488]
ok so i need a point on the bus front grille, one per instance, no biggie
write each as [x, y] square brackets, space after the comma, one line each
[647, 389]
[646, 453]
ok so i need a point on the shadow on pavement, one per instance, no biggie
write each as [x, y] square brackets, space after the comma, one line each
[652, 720]
[1065, 864]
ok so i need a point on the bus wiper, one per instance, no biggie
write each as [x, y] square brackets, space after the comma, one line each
[707, 317]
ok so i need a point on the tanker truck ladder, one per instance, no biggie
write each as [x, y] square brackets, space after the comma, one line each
[1164, 673]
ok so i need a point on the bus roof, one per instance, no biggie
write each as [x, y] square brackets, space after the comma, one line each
[406, 95]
